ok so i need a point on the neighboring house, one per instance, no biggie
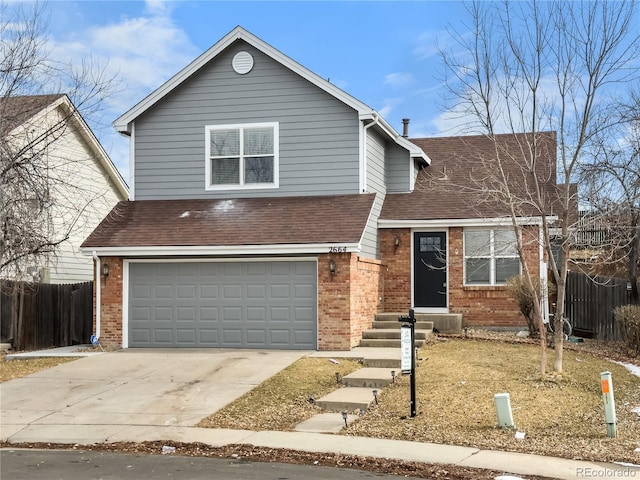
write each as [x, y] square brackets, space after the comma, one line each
[270, 209]
[83, 183]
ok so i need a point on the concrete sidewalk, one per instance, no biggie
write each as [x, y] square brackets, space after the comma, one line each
[506, 462]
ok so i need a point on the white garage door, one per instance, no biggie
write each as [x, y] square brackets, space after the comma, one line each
[267, 304]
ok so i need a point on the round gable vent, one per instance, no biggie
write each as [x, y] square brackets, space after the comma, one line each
[242, 62]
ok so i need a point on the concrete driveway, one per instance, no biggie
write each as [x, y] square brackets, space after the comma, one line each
[133, 387]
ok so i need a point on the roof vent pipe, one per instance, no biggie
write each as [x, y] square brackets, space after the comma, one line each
[405, 127]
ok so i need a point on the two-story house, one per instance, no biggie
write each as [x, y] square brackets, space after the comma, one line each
[270, 209]
[56, 147]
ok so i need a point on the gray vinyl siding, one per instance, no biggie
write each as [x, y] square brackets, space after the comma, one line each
[398, 169]
[376, 152]
[319, 135]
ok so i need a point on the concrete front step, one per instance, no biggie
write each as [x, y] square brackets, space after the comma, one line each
[347, 399]
[394, 333]
[325, 423]
[368, 378]
[444, 322]
[389, 363]
[385, 325]
[386, 342]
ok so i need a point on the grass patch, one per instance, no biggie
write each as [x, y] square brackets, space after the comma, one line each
[456, 380]
[22, 367]
[281, 402]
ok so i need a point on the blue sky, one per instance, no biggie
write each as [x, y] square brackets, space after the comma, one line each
[381, 52]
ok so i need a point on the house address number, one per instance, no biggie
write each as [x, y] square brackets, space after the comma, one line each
[337, 249]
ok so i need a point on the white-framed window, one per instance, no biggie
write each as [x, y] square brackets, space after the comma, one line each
[490, 256]
[243, 156]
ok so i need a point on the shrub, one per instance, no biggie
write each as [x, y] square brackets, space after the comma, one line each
[517, 288]
[628, 317]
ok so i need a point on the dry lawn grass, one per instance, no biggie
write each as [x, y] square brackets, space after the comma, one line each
[282, 402]
[22, 367]
[456, 382]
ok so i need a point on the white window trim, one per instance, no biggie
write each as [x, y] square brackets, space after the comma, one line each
[251, 186]
[492, 263]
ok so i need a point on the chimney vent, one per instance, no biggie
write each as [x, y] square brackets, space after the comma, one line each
[405, 127]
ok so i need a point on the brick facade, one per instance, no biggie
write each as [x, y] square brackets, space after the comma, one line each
[347, 300]
[110, 303]
[479, 305]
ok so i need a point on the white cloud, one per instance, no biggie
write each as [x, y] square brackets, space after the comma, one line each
[427, 45]
[399, 79]
[141, 53]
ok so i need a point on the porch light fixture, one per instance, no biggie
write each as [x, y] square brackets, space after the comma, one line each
[332, 267]
[375, 396]
[396, 242]
[105, 269]
[393, 376]
[344, 417]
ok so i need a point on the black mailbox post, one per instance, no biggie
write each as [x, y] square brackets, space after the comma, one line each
[410, 323]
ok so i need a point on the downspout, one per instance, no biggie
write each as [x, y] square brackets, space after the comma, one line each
[376, 121]
[544, 285]
[98, 267]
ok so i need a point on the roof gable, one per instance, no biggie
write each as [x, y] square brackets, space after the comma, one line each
[122, 124]
[365, 113]
[20, 110]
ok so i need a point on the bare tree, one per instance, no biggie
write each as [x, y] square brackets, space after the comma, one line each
[539, 67]
[611, 178]
[33, 224]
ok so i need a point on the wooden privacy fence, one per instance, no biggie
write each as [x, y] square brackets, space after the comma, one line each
[591, 301]
[42, 315]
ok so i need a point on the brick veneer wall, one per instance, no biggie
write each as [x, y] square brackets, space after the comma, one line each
[366, 295]
[111, 304]
[397, 262]
[347, 300]
[480, 306]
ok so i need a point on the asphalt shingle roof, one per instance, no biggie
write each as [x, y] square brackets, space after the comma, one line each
[450, 187]
[244, 221]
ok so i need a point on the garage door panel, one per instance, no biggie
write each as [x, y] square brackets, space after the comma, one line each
[256, 336]
[280, 291]
[223, 304]
[163, 336]
[232, 292]
[256, 314]
[208, 314]
[208, 337]
[186, 336]
[257, 291]
[161, 314]
[163, 291]
[232, 337]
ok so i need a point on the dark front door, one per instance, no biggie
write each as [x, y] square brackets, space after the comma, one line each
[430, 269]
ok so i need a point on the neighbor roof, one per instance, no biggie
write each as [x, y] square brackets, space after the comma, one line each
[451, 188]
[14, 111]
[335, 219]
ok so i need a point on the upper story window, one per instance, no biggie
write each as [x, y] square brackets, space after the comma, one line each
[241, 156]
[490, 256]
